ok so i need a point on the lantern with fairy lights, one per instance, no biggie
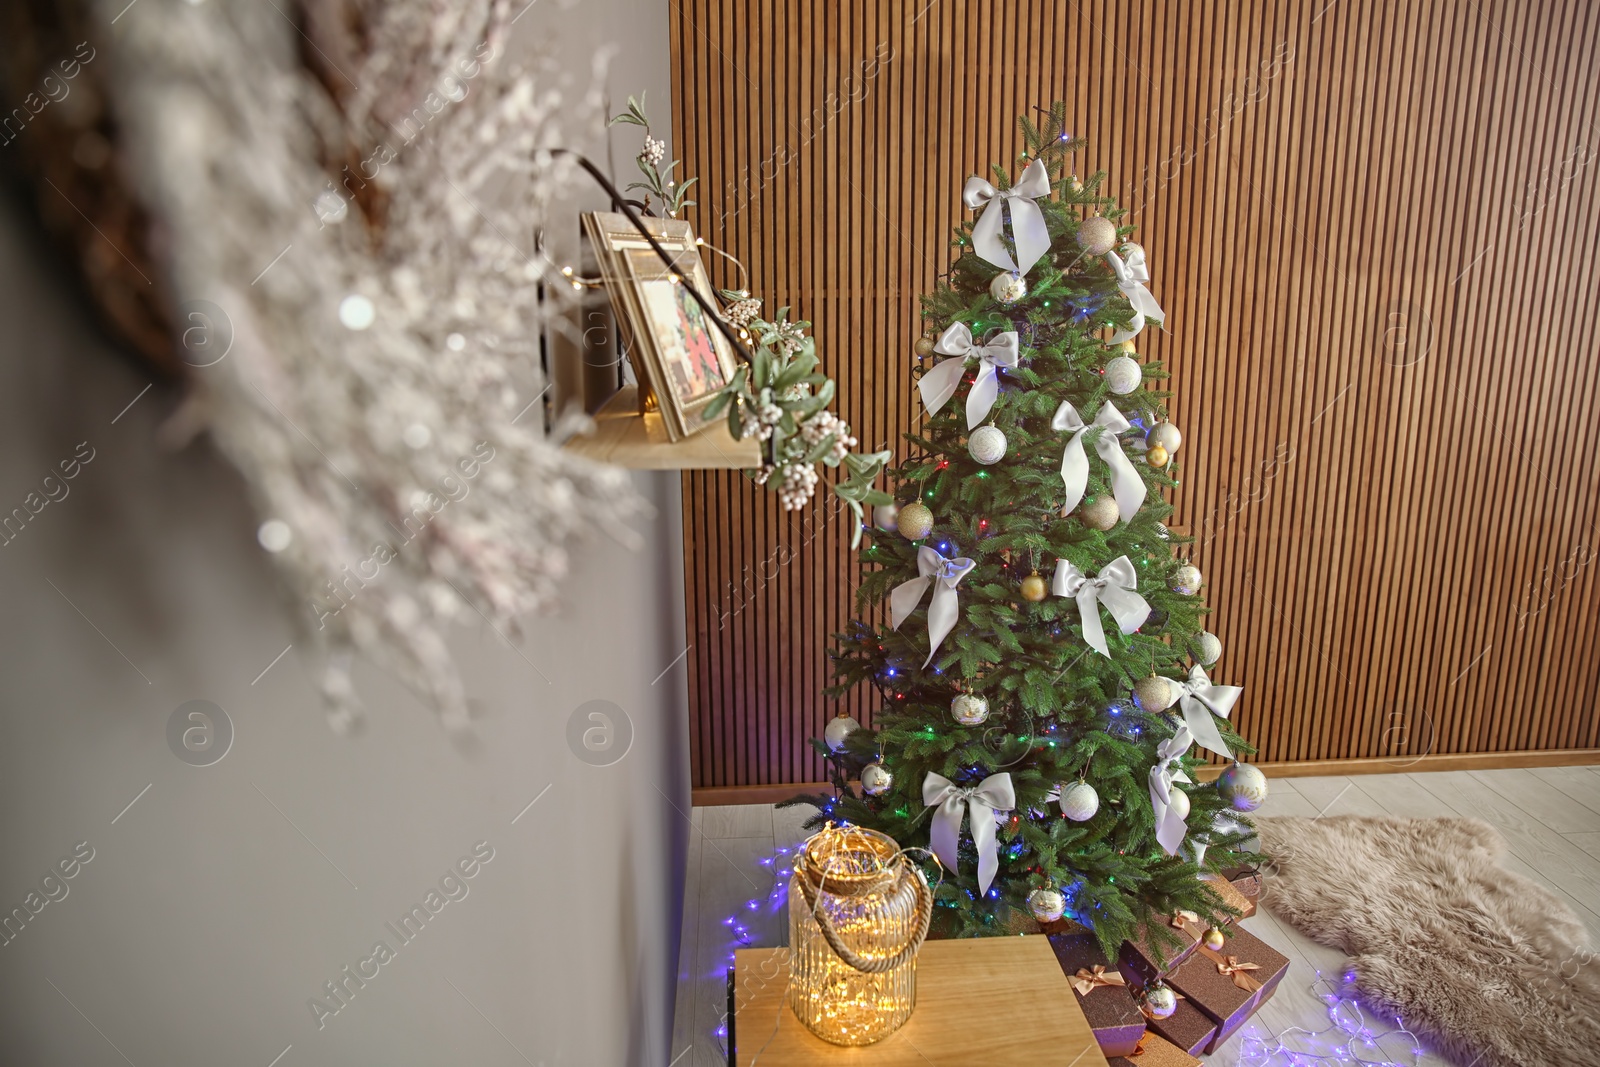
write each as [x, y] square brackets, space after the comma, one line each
[858, 913]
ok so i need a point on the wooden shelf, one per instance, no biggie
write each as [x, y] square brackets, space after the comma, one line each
[626, 438]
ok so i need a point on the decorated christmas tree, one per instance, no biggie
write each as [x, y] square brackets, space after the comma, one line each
[1038, 643]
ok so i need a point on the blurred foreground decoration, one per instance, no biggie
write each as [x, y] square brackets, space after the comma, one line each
[342, 216]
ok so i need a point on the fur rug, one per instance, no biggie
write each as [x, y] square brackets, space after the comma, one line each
[1490, 968]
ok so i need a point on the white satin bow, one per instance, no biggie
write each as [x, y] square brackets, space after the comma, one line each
[1116, 587]
[1126, 484]
[1170, 826]
[945, 607]
[939, 384]
[992, 794]
[1200, 699]
[1028, 230]
[1132, 275]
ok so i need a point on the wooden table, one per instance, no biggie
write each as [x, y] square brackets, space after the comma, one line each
[995, 1001]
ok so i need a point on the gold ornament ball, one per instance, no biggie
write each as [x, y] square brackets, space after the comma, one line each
[1034, 588]
[1047, 904]
[915, 521]
[1186, 579]
[969, 709]
[1128, 348]
[1159, 1002]
[1074, 184]
[1244, 787]
[1156, 457]
[1097, 235]
[1214, 939]
[923, 347]
[1100, 513]
[876, 779]
[1152, 694]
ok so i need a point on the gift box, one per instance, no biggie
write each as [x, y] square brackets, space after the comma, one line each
[1188, 1028]
[1232, 895]
[1148, 955]
[1227, 985]
[1155, 1051]
[1102, 993]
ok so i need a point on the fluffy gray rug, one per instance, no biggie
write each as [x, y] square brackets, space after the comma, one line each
[1489, 968]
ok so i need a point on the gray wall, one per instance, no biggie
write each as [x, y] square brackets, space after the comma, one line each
[216, 906]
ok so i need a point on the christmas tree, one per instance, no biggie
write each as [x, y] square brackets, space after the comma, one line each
[1041, 665]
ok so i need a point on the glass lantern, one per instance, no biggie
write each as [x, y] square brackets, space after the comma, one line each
[858, 912]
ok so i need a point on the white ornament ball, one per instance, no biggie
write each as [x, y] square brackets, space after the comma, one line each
[1159, 1001]
[274, 535]
[1123, 375]
[1079, 801]
[1152, 694]
[1101, 513]
[356, 312]
[1097, 235]
[1244, 787]
[1178, 801]
[1164, 435]
[884, 517]
[1186, 580]
[969, 709]
[1207, 648]
[987, 445]
[839, 728]
[1047, 904]
[914, 521]
[1008, 288]
[876, 779]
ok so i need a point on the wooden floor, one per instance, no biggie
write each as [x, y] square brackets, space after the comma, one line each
[1549, 816]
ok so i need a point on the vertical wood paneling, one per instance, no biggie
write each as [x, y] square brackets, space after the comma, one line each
[1414, 574]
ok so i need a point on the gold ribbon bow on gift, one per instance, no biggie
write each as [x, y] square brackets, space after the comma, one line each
[1087, 981]
[1230, 965]
[1188, 922]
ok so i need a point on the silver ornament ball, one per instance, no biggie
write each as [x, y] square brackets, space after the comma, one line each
[1097, 235]
[1243, 786]
[884, 517]
[1159, 1001]
[1047, 904]
[1008, 288]
[1079, 801]
[914, 521]
[969, 709]
[1162, 531]
[838, 729]
[1164, 435]
[1152, 694]
[1186, 580]
[1207, 648]
[987, 445]
[876, 779]
[1123, 375]
[1100, 513]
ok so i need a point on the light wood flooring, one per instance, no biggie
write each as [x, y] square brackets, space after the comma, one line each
[1550, 818]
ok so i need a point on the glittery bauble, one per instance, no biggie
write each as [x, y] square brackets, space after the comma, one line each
[969, 709]
[987, 445]
[1100, 513]
[1034, 588]
[885, 517]
[1157, 457]
[1008, 288]
[1079, 801]
[1123, 375]
[915, 521]
[1164, 435]
[1178, 801]
[923, 347]
[1097, 235]
[1159, 1001]
[1214, 939]
[1152, 694]
[875, 779]
[1244, 787]
[838, 729]
[1206, 648]
[1186, 579]
[1047, 904]
[1132, 248]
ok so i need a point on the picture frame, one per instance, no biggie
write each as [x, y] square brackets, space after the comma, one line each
[676, 350]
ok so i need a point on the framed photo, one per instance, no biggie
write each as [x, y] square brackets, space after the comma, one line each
[677, 351]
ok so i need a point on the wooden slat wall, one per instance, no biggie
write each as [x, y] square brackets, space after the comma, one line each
[1377, 255]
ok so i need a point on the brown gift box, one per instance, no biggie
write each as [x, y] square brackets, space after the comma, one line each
[1231, 895]
[1139, 958]
[1155, 1051]
[1188, 1027]
[1230, 984]
[1110, 1008]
